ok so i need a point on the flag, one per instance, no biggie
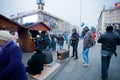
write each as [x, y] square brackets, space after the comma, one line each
[82, 24]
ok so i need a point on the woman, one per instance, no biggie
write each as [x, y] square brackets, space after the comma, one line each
[11, 66]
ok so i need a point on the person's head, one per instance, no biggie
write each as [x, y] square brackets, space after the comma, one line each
[43, 33]
[4, 37]
[85, 29]
[74, 31]
[93, 29]
[109, 29]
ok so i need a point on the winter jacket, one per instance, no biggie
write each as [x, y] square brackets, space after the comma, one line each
[38, 42]
[11, 66]
[36, 63]
[60, 40]
[74, 38]
[109, 41]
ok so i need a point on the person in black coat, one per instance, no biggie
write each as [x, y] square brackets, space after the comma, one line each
[41, 57]
[109, 41]
[74, 43]
[36, 63]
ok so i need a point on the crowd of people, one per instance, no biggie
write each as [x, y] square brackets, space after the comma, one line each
[12, 68]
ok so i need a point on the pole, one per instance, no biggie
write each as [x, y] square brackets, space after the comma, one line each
[80, 14]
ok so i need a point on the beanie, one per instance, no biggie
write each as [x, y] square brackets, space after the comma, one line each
[5, 35]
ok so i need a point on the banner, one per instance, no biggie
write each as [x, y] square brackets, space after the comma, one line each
[82, 24]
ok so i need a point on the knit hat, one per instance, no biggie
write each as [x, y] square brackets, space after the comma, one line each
[5, 35]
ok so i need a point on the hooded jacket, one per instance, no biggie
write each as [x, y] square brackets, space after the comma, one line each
[86, 41]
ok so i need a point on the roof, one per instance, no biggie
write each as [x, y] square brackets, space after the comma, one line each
[33, 25]
[10, 21]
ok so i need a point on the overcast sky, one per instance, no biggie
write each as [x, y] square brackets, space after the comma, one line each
[68, 10]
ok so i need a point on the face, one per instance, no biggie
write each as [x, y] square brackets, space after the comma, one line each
[2, 42]
[73, 31]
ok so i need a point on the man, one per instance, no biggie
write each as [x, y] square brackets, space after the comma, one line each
[74, 43]
[109, 41]
[86, 45]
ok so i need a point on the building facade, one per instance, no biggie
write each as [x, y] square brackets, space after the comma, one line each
[109, 17]
[55, 23]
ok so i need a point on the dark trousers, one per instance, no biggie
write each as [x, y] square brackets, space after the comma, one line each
[75, 53]
[105, 62]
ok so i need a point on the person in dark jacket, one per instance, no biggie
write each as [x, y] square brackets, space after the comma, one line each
[53, 43]
[42, 40]
[45, 39]
[60, 41]
[36, 64]
[109, 41]
[40, 58]
[38, 43]
[74, 43]
[11, 66]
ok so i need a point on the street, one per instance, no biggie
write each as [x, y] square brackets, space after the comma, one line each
[71, 69]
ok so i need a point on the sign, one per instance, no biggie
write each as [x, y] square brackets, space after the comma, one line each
[82, 24]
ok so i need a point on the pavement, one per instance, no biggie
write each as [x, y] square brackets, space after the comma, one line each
[71, 69]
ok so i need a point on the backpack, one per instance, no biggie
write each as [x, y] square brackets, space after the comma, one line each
[92, 39]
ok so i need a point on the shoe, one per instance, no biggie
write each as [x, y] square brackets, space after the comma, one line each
[85, 65]
[75, 58]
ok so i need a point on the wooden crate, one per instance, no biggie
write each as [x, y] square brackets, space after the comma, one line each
[62, 54]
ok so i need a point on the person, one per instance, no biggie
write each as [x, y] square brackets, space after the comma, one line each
[60, 41]
[46, 47]
[74, 43]
[38, 43]
[109, 41]
[66, 38]
[94, 35]
[48, 55]
[86, 45]
[43, 56]
[45, 39]
[53, 42]
[11, 66]
[35, 64]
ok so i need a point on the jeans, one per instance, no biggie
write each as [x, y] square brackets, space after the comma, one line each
[85, 55]
[105, 66]
[61, 46]
[75, 53]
